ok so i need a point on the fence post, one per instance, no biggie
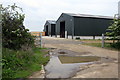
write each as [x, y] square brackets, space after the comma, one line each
[40, 40]
[66, 34]
[103, 41]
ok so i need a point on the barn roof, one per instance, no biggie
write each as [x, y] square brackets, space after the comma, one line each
[52, 21]
[87, 15]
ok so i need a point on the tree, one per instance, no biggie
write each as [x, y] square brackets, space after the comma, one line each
[114, 33]
[114, 30]
[14, 34]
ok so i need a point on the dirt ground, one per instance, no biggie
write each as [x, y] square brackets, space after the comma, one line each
[100, 70]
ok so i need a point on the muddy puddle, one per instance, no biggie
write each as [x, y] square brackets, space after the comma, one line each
[65, 64]
[65, 59]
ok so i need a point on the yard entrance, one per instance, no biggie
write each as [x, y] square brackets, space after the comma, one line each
[62, 29]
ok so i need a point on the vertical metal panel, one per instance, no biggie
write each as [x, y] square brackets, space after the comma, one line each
[46, 24]
[73, 28]
[49, 29]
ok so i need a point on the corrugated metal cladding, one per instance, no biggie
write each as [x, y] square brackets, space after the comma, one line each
[83, 24]
[50, 27]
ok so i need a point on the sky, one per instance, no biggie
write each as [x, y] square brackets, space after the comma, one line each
[38, 11]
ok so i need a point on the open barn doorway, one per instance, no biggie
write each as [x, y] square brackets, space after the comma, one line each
[62, 29]
[46, 33]
[52, 29]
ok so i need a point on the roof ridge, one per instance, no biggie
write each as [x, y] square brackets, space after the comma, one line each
[51, 21]
[88, 15]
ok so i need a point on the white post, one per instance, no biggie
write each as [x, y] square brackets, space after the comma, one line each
[66, 34]
[40, 40]
[102, 40]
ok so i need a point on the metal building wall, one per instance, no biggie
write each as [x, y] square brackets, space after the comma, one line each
[68, 24]
[90, 26]
[49, 27]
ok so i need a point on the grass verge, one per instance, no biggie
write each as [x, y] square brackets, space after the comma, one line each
[107, 45]
[21, 64]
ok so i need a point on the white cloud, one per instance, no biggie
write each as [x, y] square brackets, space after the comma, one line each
[38, 11]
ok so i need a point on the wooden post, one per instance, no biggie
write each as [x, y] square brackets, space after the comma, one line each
[102, 40]
[40, 40]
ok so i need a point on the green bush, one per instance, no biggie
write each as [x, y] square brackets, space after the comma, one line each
[113, 31]
[14, 34]
[77, 38]
[116, 45]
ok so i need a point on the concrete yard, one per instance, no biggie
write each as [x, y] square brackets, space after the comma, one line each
[105, 69]
[74, 45]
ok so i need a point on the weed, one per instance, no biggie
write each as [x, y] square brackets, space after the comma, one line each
[20, 64]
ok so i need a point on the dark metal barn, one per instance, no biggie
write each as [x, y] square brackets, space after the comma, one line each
[50, 27]
[82, 25]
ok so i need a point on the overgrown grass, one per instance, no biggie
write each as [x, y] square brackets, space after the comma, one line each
[97, 43]
[21, 64]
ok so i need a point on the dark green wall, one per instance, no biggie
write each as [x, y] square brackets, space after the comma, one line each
[90, 26]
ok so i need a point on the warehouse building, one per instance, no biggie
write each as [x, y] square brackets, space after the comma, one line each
[82, 25]
[50, 28]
